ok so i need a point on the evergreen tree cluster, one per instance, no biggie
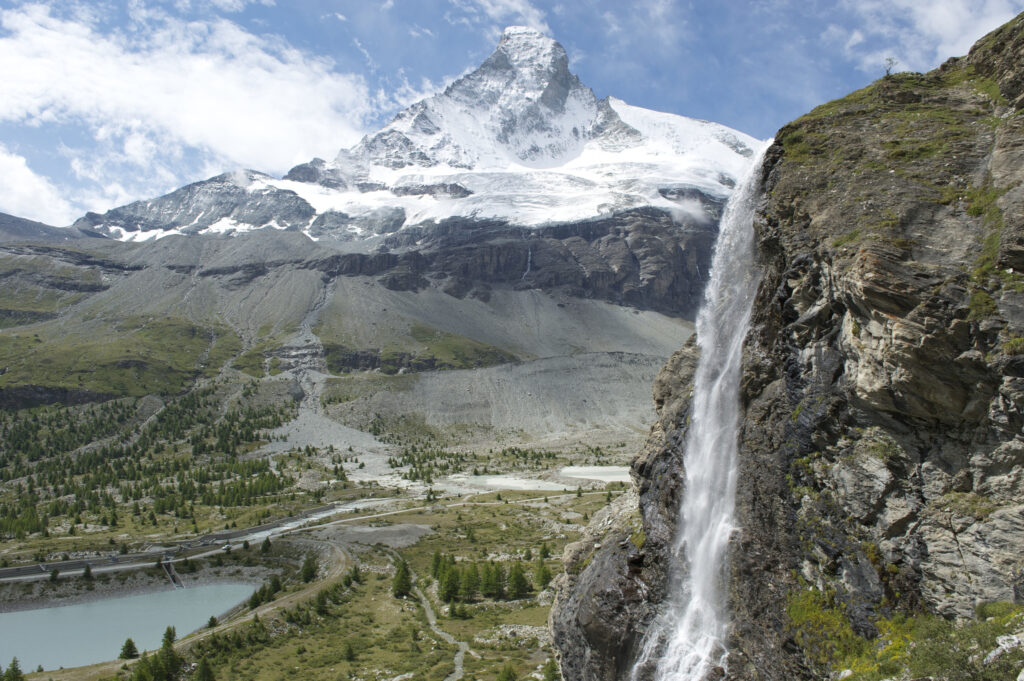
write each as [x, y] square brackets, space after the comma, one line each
[265, 593]
[466, 581]
[241, 638]
[165, 665]
[427, 462]
[185, 455]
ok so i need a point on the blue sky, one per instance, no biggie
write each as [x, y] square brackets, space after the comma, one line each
[104, 102]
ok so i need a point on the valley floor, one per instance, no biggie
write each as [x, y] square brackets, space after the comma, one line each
[409, 467]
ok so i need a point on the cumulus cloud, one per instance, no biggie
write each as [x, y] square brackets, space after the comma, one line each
[921, 35]
[209, 94]
[29, 195]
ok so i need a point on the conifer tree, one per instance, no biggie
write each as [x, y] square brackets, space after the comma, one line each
[168, 657]
[128, 650]
[448, 584]
[469, 583]
[13, 672]
[518, 587]
[308, 571]
[488, 587]
[401, 584]
[499, 581]
[435, 564]
[203, 672]
[541, 575]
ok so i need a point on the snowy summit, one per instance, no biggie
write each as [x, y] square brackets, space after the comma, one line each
[519, 140]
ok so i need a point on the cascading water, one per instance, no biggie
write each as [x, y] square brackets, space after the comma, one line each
[689, 640]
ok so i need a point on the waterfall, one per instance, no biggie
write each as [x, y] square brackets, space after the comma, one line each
[688, 640]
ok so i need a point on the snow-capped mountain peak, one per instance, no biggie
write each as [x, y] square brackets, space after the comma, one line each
[525, 64]
[519, 140]
[522, 105]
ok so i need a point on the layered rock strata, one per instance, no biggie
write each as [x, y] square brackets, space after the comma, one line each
[882, 451]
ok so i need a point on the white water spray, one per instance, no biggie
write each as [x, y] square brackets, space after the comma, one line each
[689, 641]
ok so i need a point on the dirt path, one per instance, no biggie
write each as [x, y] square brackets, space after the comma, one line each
[428, 608]
[340, 560]
[460, 655]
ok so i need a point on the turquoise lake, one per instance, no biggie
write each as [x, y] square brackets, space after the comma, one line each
[87, 633]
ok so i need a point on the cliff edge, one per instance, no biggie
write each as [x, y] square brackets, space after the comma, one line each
[881, 481]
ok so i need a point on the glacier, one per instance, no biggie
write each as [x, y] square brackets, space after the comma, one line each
[520, 140]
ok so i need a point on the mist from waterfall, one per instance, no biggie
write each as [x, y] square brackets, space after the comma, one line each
[688, 640]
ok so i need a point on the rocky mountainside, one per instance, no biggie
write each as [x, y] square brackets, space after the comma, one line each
[516, 173]
[513, 232]
[519, 141]
[881, 477]
[13, 228]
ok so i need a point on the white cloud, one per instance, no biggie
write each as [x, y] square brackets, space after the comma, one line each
[370, 63]
[405, 93]
[29, 195]
[611, 23]
[237, 5]
[663, 21]
[654, 27]
[921, 35]
[505, 12]
[172, 92]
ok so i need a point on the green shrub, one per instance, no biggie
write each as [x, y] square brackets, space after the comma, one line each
[981, 305]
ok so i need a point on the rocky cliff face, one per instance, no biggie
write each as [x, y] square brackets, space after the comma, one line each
[882, 452]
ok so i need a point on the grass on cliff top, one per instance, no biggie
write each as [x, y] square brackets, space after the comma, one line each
[916, 646]
[254, 361]
[134, 357]
[910, 126]
[897, 137]
[873, 100]
[458, 352]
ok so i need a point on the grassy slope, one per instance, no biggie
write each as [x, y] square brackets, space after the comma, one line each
[130, 356]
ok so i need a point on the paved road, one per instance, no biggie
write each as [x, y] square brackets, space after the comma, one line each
[213, 542]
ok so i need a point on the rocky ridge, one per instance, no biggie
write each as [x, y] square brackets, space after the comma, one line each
[882, 451]
[515, 174]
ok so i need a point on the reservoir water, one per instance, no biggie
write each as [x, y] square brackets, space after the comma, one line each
[87, 633]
